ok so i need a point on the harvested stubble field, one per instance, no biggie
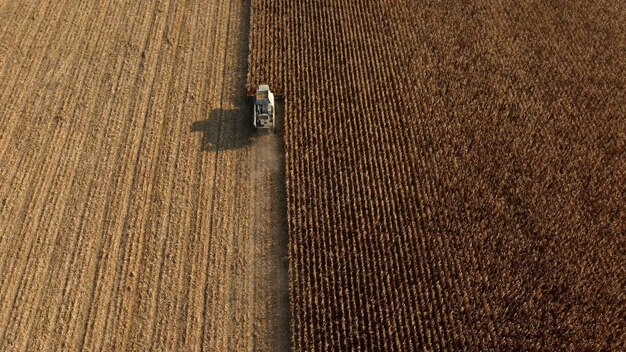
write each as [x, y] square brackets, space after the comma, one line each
[456, 171]
[128, 215]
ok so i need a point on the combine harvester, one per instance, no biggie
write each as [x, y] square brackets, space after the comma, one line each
[264, 108]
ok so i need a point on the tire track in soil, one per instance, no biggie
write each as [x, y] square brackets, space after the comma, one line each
[270, 277]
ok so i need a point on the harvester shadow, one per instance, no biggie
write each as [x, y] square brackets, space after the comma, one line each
[224, 130]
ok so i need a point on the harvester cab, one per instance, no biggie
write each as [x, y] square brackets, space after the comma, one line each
[264, 117]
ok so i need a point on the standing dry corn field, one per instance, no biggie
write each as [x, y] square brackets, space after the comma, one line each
[128, 219]
[456, 171]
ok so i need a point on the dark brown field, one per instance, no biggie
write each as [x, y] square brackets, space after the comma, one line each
[456, 171]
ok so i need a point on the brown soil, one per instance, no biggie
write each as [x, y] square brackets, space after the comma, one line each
[128, 218]
[456, 171]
